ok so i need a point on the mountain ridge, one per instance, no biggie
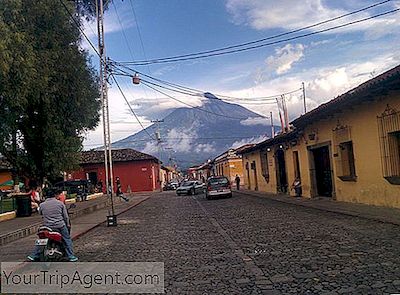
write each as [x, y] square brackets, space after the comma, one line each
[200, 133]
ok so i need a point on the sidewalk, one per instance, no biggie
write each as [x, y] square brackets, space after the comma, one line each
[21, 227]
[19, 249]
[376, 213]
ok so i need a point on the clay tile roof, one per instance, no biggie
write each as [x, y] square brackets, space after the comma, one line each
[118, 155]
[373, 88]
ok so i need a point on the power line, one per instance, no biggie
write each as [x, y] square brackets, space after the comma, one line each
[185, 138]
[194, 57]
[196, 107]
[123, 31]
[133, 112]
[278, 35]
[77, 24]
[196, 92]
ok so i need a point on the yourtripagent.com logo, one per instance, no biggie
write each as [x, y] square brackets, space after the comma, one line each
[83, 277]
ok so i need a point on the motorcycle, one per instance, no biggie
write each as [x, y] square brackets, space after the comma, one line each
[51, 244]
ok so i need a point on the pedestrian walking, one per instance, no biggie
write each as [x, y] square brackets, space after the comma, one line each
[119, 189]
[237, 180]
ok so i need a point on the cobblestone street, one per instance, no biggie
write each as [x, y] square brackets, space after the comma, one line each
[251, 245]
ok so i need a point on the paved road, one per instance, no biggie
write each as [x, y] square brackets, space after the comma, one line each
[250, 245]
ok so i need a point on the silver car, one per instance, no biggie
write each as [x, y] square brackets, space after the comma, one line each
[218, 186]
[190, 187]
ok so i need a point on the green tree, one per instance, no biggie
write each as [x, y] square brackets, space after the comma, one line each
[48, 89]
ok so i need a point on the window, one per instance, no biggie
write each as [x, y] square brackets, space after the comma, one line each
[348, 168]
[343, 153]
[389, 137]
[296, 164]
[264, 165]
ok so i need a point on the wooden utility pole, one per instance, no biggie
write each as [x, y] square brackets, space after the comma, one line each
[304, 97]
[105, 110]
[272, 125]
[285, 113]
[158, 136]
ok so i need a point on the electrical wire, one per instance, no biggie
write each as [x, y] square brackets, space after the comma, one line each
[196, 92]
[133, 112]
[123, 30]
[186, 138]
[77, 24]
[196, 107]
[275, 36]
[160, 61]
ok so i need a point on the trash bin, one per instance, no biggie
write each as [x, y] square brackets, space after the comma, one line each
[23, 206]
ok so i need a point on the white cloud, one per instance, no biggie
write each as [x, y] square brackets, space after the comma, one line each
[251, 121]
[205, 148]
[289, 15]
[244, 141]
[182, 139]
[285, 57]
[322, 84]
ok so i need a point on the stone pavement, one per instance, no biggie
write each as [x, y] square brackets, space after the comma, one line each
[248, 245]
[18, 250]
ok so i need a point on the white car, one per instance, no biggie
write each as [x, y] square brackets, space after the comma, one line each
[218, 186]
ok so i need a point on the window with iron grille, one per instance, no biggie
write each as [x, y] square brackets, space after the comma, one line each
[389, 138]
[348, 171]
[344, 153]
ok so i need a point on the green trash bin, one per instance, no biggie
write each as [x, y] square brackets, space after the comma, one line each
[24, 208]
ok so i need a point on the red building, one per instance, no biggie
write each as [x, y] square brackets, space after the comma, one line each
[137, 171]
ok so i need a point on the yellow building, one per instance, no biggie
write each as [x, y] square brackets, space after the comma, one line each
[347, 149]
[229, 164]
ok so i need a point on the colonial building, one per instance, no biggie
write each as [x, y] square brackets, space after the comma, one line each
[137, 171]
[168, 173]
[347, 149]
[229, 163]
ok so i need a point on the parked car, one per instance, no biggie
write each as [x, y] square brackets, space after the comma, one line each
[170, 186]
[191, 187]
[218, 186]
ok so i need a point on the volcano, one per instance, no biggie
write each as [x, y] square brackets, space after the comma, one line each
[191, 136]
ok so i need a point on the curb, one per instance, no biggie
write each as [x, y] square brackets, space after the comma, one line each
[346, 213]
[29, 230]
[78, 235]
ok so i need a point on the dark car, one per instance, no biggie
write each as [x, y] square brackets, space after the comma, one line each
[218, 186]
[80, 187]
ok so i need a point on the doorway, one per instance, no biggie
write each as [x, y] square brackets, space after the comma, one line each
[323, 171]
[282, 184]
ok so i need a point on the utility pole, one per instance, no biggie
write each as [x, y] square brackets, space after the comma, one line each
[285, 113]
[280, 114]
[169, 149]
[111, 219]
[304, 97]
[158, 136]
[272, 125]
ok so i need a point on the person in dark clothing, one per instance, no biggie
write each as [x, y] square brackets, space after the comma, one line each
[296, 186]
[56, 217]
[119, 189]
[237, 180]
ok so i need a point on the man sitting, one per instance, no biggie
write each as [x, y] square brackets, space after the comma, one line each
[56, 217]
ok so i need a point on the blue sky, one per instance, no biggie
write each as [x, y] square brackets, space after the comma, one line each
[329, 63]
